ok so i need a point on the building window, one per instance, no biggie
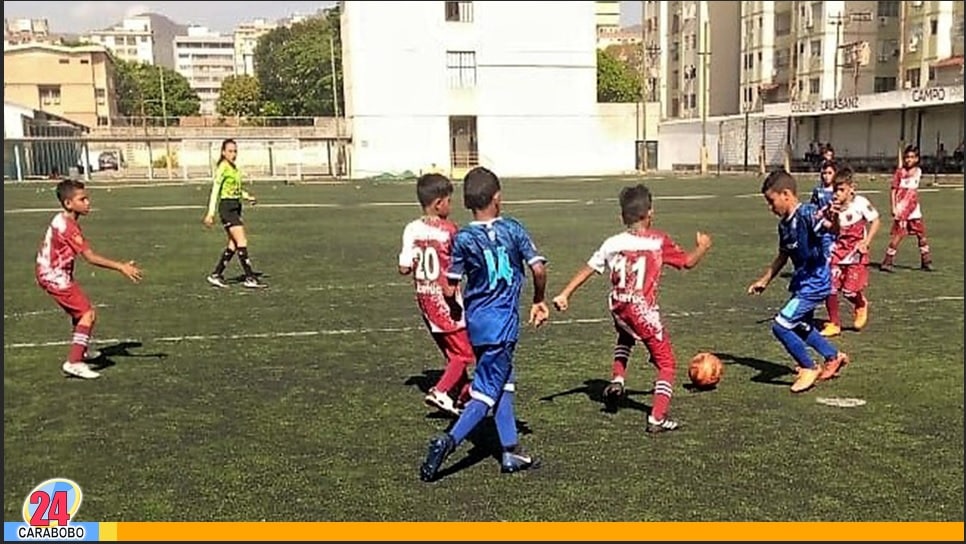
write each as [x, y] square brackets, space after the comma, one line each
[85, 61]
[461, 69]
[815, 48]
[63, 61]
[459, 12]
[888, 50]
[49, 95]
[814, 86]
[912, 78]
[101, 96]
[887, 9]
[103, 121]
[884, 84]
[934, 27]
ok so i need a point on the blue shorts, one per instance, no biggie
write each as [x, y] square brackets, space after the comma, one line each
[799, 309]
[493, 373]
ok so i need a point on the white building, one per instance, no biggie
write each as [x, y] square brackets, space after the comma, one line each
[205, 59]
[246, 37]
[144, 38]
[472, 83]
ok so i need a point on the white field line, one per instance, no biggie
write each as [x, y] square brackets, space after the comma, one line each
[313, 205]
[19, 315]
[377, 330]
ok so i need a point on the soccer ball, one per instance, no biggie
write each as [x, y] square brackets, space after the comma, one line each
[705, 370]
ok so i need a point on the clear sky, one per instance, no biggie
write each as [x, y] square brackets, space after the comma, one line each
[81, 16]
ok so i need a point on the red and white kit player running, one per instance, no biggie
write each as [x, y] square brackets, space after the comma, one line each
[426, 253]
[635, 259]
[854, 222]
[907, 212]
[61, 245]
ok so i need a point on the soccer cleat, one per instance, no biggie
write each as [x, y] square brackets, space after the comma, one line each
[79, 370]
[439, 447]
[886, 267]
[92, 354]
[253, 283]
[861, 316]
[833, 367]
[216, 280]
[806, 379]
[517, 461]
[613, 394]
[661, 426]
[442, 401]
[927, 267]
[831, 329]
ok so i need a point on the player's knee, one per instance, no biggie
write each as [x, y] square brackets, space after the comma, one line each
[88, 318]
[780, 326]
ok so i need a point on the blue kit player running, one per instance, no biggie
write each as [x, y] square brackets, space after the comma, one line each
[493, 253]
[800, 238]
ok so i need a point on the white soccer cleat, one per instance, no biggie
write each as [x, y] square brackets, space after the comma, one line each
[79, 370]
[216, 281]
[442, 401]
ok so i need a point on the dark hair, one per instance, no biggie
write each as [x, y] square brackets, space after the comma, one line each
[67, 188]
[828, 147]
[830, 164]
[480, 185]
[778, 181]
[430, 187]
[635, 203]
[911, 149]
[221, 155]
[843, 177]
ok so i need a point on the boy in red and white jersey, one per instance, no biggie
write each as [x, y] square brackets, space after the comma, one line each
[426, 254]
[907, 212]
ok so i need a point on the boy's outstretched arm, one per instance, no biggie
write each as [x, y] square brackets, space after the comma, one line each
[773, 269]
[129, 269]
[562, 301]
[539, 312]
[702, 243]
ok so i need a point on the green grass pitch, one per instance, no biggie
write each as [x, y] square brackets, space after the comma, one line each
[302, 402]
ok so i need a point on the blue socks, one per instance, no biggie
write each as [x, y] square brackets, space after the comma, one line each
[472, 415]
[475, 411]
[506, 421]
[797, 341]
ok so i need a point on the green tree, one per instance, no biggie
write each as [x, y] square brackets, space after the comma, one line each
[294, 67]
[138, 89]
[616, 81]
[240, 96]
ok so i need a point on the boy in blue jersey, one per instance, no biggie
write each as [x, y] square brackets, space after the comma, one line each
[800, 238]
[492, 252]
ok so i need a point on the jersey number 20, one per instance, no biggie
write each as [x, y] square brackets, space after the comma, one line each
[427, 264]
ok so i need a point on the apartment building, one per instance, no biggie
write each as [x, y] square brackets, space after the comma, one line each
[693, 57]
[145, 38]
[76, 83]
[246, 37]
[491, 83]
[813, 50]
[933, 43]
[205, 59]
[607, 16]
[24, 30]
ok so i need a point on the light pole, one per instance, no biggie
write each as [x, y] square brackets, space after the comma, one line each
[705, 53]
[164, 121]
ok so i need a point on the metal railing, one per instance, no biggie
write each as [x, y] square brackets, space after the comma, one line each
[214, 121]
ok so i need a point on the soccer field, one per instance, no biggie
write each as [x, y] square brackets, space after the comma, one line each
[303, 401]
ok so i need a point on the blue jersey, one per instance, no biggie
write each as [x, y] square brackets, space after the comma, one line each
[494, 256]
[822, 198]
[822, 195]
[801, 238]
